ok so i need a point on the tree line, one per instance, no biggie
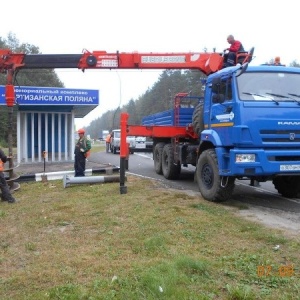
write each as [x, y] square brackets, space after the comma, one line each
[159, 97]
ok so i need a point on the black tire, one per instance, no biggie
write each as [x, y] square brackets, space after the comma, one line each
[197, 120]
[131, 151]
[114, 150]
[212, 186]
[287, 186]
[170, 168]
[157, 153]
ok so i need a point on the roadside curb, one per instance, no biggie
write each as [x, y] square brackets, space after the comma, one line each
[60, 174]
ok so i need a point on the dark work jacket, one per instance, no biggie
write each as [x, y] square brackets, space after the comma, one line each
[3, 157]
[84, 144]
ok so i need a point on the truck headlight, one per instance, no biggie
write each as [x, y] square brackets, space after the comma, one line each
[244, 158]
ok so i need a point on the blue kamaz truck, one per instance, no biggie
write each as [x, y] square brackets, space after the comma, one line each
[246, 127]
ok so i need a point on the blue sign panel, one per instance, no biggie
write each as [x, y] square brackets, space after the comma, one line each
[28, 95]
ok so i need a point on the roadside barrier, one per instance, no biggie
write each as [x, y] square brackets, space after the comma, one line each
[60, 174]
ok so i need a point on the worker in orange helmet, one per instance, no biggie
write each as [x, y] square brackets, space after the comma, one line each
[108, 141]
[82, 148]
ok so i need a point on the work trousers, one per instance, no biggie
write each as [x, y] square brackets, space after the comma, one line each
[6, 195]
[229, 59]
[79, 164]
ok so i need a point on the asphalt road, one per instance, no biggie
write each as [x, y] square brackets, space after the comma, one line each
[265, 195]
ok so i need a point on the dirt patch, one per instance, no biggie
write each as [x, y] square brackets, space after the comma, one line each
[287, 222]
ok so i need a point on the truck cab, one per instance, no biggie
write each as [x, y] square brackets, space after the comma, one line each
[251, 130]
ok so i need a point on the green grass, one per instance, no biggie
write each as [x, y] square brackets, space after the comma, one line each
[98, 147]
[89, 242]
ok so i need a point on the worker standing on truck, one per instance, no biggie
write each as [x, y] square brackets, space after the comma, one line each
[277, 61]
[107, 141]
[235, 47]
[5, 190]
[82, 150]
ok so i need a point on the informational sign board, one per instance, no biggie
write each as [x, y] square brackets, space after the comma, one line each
[27, 95]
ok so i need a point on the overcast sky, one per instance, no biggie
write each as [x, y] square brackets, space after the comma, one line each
[66, 27]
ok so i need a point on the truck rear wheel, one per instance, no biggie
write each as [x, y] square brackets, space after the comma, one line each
[287, 186]
[197, 120]
[170, 168]
[157, 154]
[212, 186]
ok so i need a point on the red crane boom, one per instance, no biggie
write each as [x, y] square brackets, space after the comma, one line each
[205, 62]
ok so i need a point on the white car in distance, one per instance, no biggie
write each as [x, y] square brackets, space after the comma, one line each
[140, 142]
[116, 142]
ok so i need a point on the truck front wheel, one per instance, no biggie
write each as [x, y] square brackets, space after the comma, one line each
[170, 168]
[157, 154]
[212, 186]
[287, 186]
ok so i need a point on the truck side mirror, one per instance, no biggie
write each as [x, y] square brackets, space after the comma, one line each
[218, 98]
[242, 69]
[216, 83]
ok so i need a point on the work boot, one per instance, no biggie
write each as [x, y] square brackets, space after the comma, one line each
[12, 200]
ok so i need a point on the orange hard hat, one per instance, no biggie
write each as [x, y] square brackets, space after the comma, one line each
[81, 130]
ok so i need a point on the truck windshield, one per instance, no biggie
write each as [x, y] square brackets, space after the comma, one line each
[269, 86]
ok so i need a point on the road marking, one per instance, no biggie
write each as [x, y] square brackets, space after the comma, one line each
[143, 155]
[146, 177]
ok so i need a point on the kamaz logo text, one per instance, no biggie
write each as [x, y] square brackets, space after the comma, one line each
[289, 123]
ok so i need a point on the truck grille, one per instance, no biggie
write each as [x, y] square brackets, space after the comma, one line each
[280, 136]
[284, 158]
